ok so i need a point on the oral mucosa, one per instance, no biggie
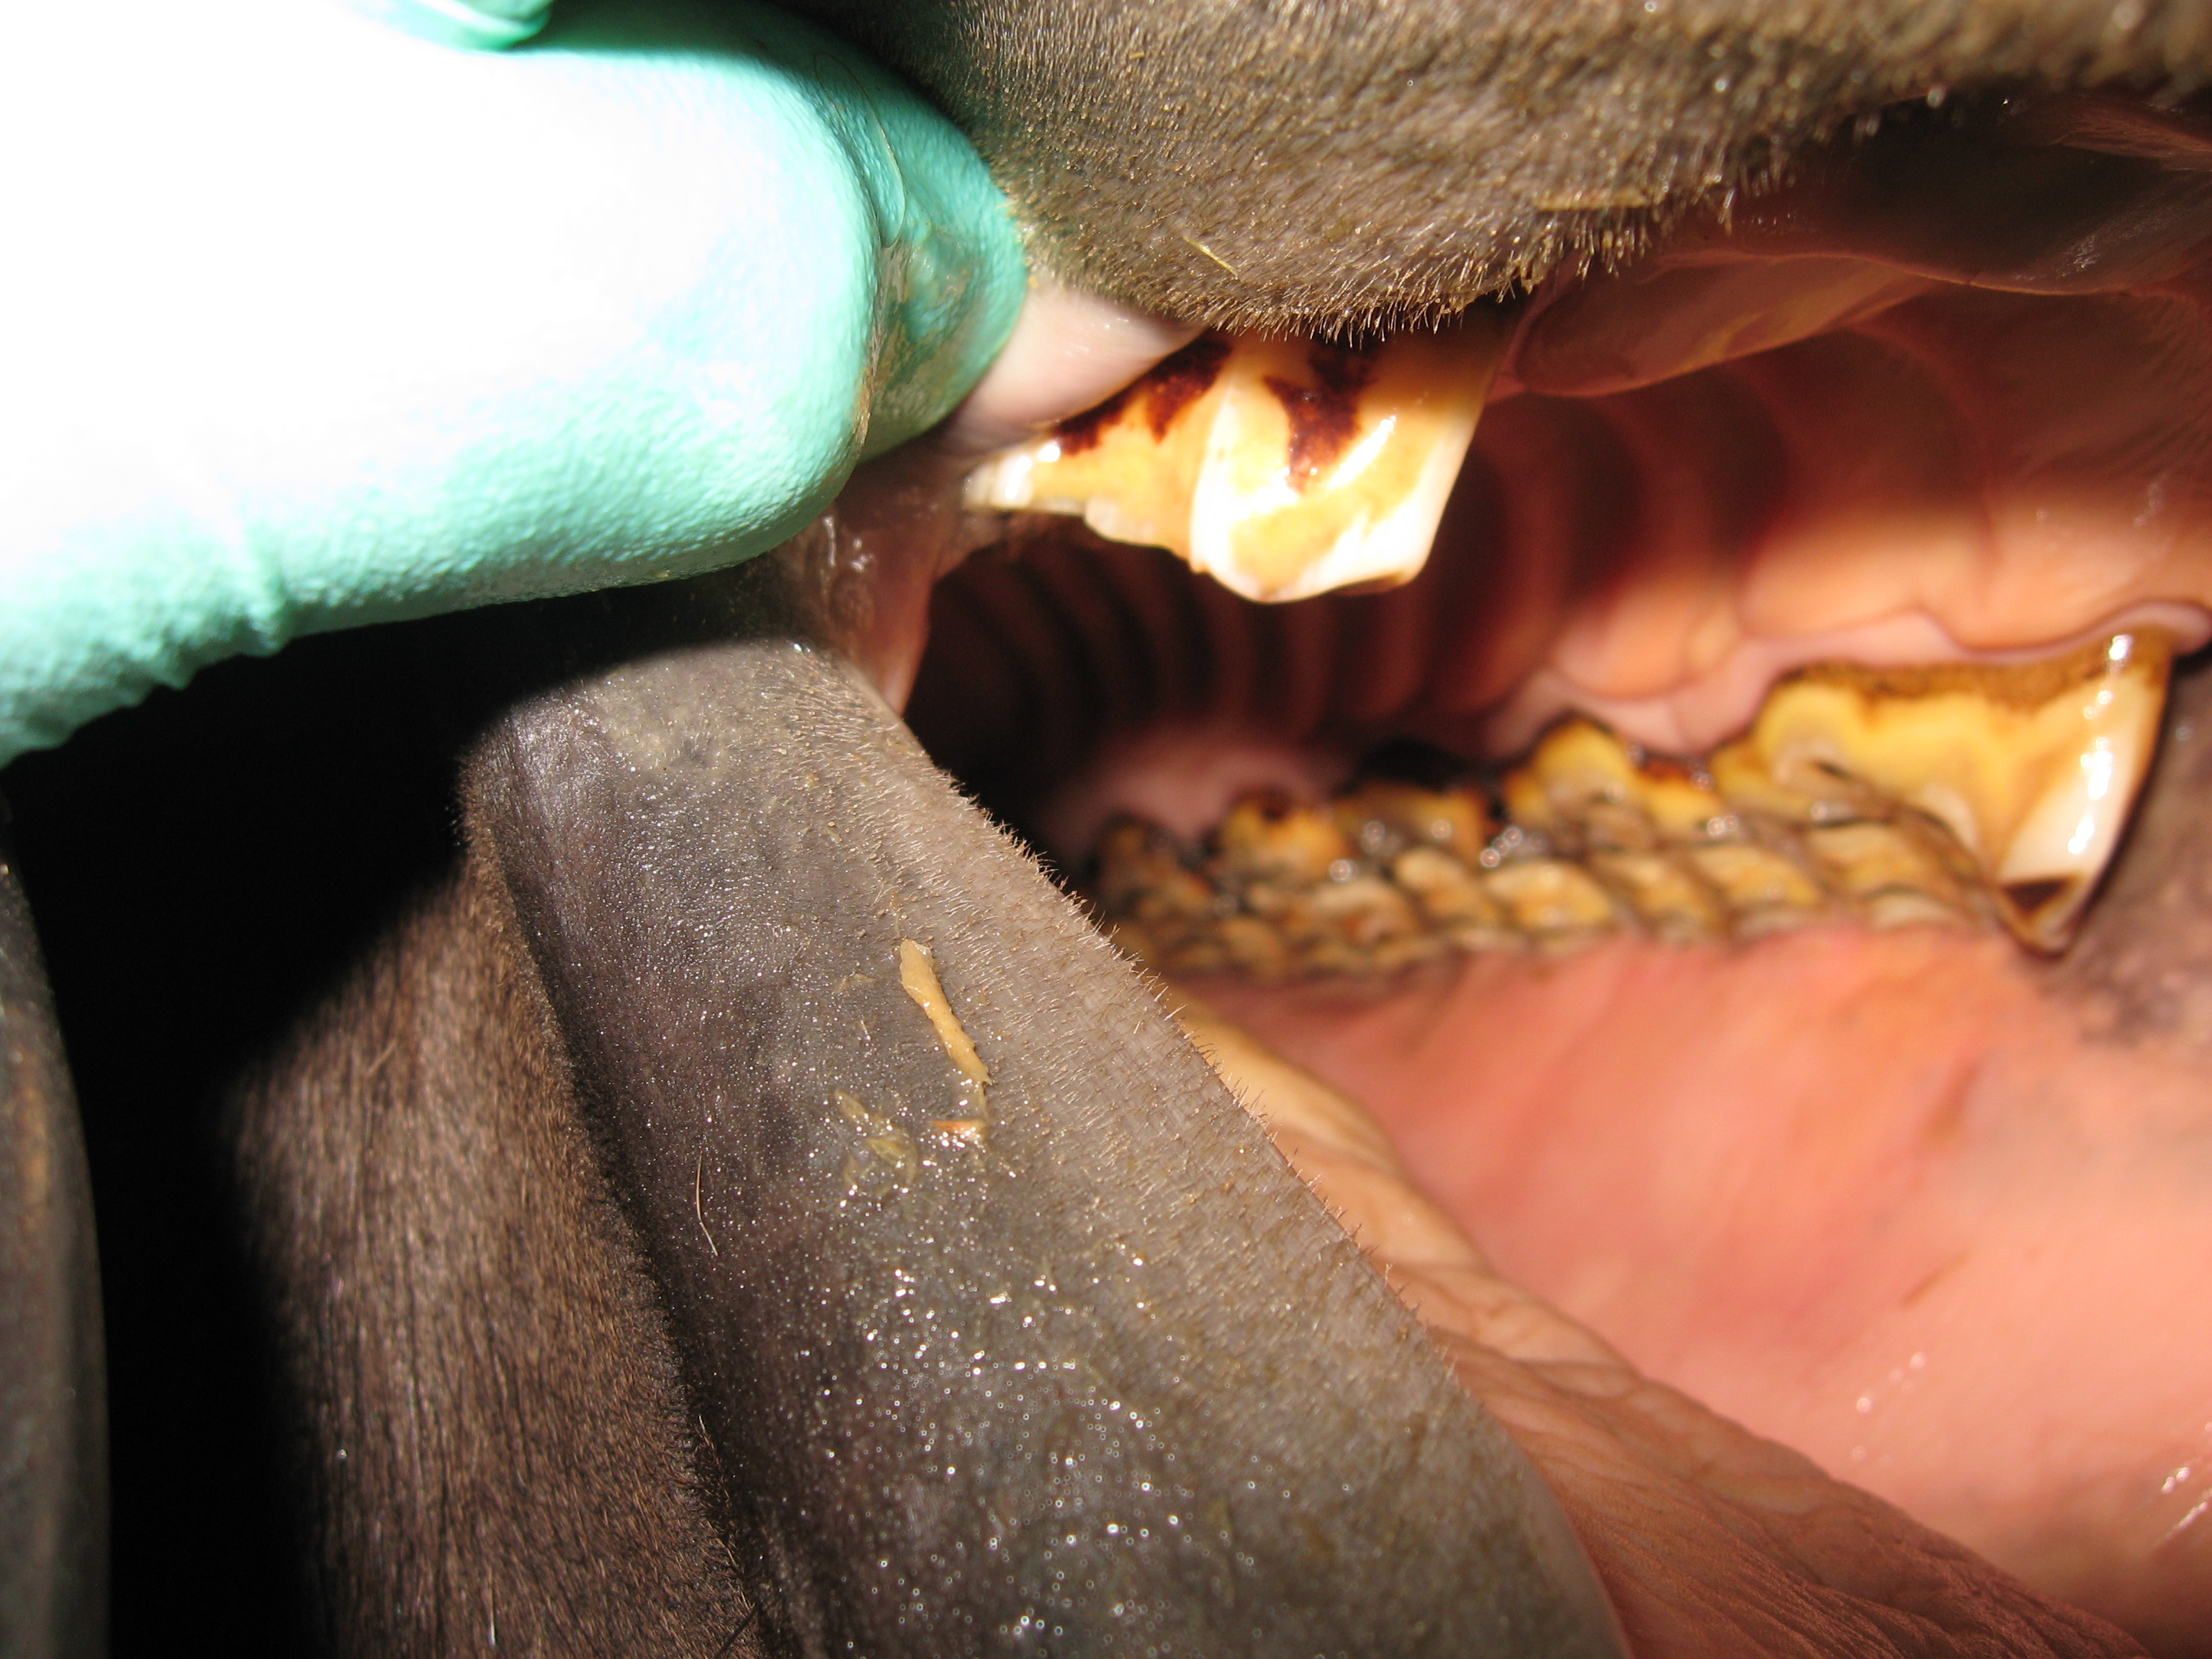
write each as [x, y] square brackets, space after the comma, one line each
[1816, 659]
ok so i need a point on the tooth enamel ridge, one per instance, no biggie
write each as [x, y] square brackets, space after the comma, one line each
[1965, 795]
[1282, 468]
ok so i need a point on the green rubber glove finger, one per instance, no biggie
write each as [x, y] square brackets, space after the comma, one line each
[307, 320]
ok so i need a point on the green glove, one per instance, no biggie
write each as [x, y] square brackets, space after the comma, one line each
[308, 320]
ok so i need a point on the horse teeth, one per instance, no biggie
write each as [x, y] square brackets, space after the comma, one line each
[1765, 891]
[1952, 795]
[1581, 778]
[1552, 899]
[1383, 813]
[1897, 874]
[1270, 837]
[1450, 893]
[1281, 468]
[2033, 767]
[1668, 897]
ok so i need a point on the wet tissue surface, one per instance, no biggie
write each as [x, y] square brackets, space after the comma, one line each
[1906, 1196]
[1756, 1061]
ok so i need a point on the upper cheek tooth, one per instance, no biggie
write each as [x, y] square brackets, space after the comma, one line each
[2033, 767]
[1282, 468]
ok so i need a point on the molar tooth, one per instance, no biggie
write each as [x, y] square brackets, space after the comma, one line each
[1391, 813]
[1765, 890]
[1555, 901]
[1254, 948]
[2034, 766]
[1667, 898]
[1282, 468]
[1366, 909]
[1896, 878]
[1582, 782]
[1267, 836]
[1142, 877]
[1447, 891]
[1202, 953]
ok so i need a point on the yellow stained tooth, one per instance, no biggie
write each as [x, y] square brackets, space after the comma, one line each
[1666, 897]
[1281, 468]
[1897, 877]
[1267, 836]
[2034, 766]
[1379, 809]
[1448, 889]
[1765, 889]
[1578, 767]
[1550, 898]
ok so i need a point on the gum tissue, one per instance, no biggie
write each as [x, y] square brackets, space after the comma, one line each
[1968, 795]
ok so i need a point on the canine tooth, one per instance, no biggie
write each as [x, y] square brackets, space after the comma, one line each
[1550, 898]
[1281, 468]
[2034, 766]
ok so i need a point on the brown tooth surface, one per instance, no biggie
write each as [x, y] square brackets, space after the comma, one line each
[1366, 910]
[1896, 797]
[1580, 777]
[1199, 954]
[1254, 948]
[1447, 889]
[1142, 877]
[1282, 468]
[2033, 766]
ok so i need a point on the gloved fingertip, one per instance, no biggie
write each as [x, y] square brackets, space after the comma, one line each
[475, 25]
[950, 269]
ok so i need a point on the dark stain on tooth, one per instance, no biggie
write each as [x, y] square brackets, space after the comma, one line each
[1178, 381]
[1323, 417]
[1079, 433]
[2030, 897]
[1170, 386]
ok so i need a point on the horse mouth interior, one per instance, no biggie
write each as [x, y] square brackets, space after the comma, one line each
[1911, 1199]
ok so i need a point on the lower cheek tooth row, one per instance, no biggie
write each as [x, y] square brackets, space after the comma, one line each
[1965, 795]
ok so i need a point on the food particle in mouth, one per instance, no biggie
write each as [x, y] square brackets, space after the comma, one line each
[1967, 794]
[1282, 468]
[918, 976]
